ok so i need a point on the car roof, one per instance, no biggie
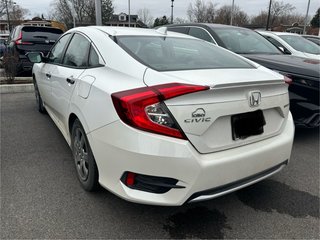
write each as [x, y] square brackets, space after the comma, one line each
[210, 25]
[311, 36]
[125, 31]
[279, 33]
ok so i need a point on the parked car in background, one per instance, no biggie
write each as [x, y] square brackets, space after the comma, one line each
[304, 90]
[24, 39]
[312, 38]
[3, 46]
[293, 44]
[163, 118]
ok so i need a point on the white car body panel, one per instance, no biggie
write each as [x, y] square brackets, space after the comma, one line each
[164, 156]
[208, 159]
[294, 52]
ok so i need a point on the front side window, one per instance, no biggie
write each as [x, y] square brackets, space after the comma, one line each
[245, 41]
[278, 44]
[56, 54]
[171, 53]
[301, 44]
[77, 52]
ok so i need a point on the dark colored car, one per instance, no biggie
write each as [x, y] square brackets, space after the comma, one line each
[24, 39]
[312, 38]
[2, 46]
[304, 90]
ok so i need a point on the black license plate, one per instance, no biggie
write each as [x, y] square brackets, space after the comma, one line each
[247, 124]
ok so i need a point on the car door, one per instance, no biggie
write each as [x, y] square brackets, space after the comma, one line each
[64, 77]
[44, 78]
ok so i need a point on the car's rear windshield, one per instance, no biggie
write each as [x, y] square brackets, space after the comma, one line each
[245, 41]
[41, 33]
[172, 53]
[301, 44]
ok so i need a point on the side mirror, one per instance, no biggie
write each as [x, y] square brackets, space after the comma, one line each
[35, 57]
[284, 50]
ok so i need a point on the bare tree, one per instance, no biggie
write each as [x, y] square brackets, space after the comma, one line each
[224, 15]
[292, 18]
[260, 19]
[201, 11]
[180, 20]
[281, 13]
[16, 12]
[145, 16]
[278, 10]
[3, 7]
[84, 11]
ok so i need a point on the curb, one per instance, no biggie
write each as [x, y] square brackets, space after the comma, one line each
[17, 78]
[16, 88]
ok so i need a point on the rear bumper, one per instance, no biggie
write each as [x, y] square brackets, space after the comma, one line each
[234, 186]
[118, 148]
[24, 64]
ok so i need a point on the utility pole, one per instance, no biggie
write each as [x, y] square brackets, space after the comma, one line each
[232, 12]
[129, 13]
[306, 18]
[172, 11]
[8, 17]
[98, 12]
[73, 14]
[267, 27]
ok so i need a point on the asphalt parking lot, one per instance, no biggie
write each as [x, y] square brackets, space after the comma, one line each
[41, 197]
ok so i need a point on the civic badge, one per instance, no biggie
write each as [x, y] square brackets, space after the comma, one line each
[254, 98]
[198, 116]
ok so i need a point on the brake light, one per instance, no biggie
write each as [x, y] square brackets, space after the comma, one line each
[287, 80]
[20, 42]
[143, 108]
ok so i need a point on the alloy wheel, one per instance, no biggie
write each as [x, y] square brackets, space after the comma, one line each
[81, 154]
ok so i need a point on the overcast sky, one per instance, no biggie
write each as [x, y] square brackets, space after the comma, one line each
[162, 7]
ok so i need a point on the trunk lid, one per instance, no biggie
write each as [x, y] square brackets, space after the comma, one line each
[38, 39]
[210, 119]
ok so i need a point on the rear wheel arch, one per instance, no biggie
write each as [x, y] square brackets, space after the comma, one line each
[87, 170]
[72, 118]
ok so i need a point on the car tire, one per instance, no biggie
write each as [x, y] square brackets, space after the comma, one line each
[86, 167]
[39, 101]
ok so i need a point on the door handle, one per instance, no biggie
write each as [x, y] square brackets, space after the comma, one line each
[70, 80]
[48, 75]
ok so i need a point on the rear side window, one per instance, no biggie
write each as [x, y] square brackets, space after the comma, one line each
[200, 33]
[56, 53]
[41, 33]
[77, 52]
[93, 58]
[179, 29]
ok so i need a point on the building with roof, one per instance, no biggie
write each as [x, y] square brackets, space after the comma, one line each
[122, 20]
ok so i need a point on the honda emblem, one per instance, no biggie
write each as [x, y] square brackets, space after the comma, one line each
[254, 98]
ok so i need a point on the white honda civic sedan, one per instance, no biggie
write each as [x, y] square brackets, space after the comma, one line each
[162, 118]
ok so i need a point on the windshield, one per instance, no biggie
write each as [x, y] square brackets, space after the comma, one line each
[301, 44]
[171, 54]
[245, 41]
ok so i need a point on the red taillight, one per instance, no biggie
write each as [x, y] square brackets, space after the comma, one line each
[287, 80]
[19, 40]
[143, 108]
